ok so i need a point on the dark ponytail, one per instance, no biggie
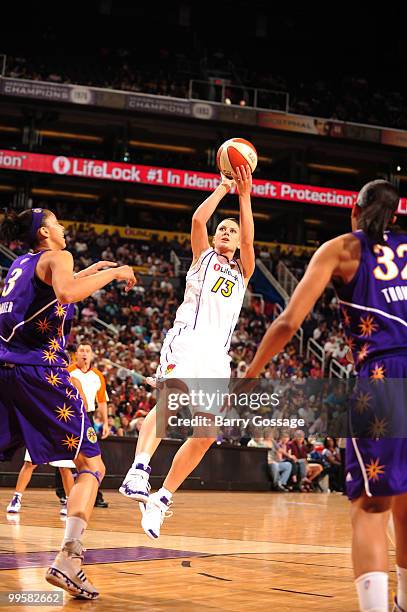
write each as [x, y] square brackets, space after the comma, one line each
[378, 201]
[20, 226]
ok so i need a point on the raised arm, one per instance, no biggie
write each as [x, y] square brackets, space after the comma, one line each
[69, 289]
[243, 179]
[199, 233]
[322, 267]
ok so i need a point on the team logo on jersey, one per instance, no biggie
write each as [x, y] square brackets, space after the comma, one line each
[169, 368]
[225, 270]
[91, 435]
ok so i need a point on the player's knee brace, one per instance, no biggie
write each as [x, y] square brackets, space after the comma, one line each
[96, 474]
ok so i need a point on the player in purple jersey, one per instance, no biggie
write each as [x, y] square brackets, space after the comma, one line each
[39, 405]
[368, 268]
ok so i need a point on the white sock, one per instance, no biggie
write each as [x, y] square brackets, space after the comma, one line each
[74, 529]
[402, 587]
[163, 492]
[372, 589]
[143, 458]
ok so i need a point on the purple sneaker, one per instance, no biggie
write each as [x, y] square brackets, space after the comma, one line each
[14, 506]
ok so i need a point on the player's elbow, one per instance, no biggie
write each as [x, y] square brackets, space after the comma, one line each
[64, 295]
[198, 219]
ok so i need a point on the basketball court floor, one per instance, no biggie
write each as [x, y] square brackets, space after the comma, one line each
[220, 551]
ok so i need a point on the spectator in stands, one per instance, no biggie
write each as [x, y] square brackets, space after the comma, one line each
[89, 311]
[279, 468]
[320, 424]
[113, 431]
[308, 327]
[125, 425]
[332, 456]
[320, 333]
[297, 450]
[307, 471]
[316, 369]
[287, 455]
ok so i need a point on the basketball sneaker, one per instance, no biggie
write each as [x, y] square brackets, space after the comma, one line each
[396, 607]
[154, 513]
[66, 572]
[136, 485]
[64, 509]
[15, 505]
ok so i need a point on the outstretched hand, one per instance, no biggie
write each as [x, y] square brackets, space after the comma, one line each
[125, 273]
[243, 180]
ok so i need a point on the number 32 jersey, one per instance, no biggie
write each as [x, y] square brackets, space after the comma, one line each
[213, 299]
[374, 304]
[33, 325]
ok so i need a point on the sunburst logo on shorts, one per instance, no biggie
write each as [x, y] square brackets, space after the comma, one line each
[71, 441]
[91, 435]
[169, 368]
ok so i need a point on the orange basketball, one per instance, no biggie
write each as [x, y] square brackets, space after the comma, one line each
[236, 152]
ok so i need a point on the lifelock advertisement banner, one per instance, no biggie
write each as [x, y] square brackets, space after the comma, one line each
[171, 177]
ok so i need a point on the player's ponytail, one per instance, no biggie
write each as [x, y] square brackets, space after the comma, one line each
[22, 226]
[378, 201]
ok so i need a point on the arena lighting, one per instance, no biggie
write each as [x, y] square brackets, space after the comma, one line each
[70, 136]
[8, 128]
[329, 168]
[266, 160]
[256, 215]
[162, 147]
[7, 188]
[155, 204]
[313, 221]
[67, 194]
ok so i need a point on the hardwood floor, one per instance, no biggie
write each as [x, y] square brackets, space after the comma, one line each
[219, 551]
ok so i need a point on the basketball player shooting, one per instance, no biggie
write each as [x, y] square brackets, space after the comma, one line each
[197, 345]
[39, 406]
[368, 270]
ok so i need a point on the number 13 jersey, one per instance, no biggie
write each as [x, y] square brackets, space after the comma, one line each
[33, 325]
[213, 299]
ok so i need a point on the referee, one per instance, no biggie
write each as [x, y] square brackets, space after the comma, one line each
[93, 386]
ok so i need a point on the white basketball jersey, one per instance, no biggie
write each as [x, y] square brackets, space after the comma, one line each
[213, 298]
